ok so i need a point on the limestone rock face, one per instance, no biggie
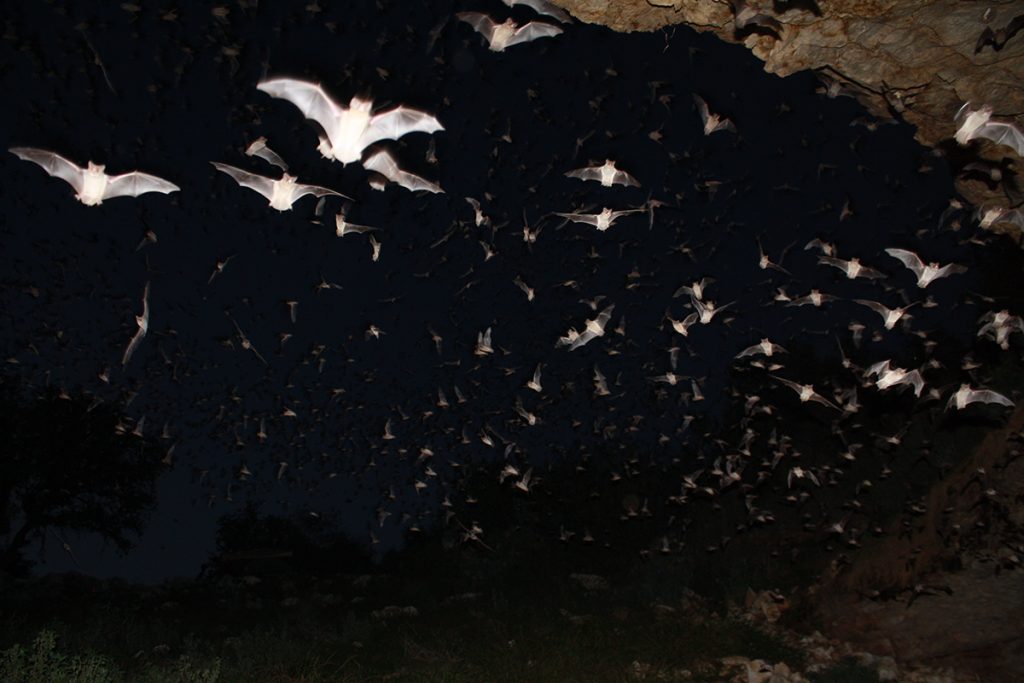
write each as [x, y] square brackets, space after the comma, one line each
[912, 59]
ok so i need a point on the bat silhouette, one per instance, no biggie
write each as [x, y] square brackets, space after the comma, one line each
[509, 33]
[997, 39]
[606, 174]
[349, 130]
[91, 184]
[143, 323]
[281, 193]
[977, 123]
[543, 7]
[383, 163]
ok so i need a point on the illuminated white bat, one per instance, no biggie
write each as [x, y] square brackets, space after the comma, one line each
[383, 163]
[925, 273]
[602, 221]
[91, 184]
[143, 323]
[977, 123]
[606, 174]
[712, 122]
[349, 130]
[508, 33]
[965, 395]
[260, 149]
[281, 193]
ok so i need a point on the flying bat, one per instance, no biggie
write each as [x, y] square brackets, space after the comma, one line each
[594, 329]
[889, 376]
[349, 130]
[977, 123]
[852, 268]
[91, 184]
[143, 323]
[764, 347]
[997, 39]
[890, 316]
[383, 163]
[543, 7]
[806, 392]
[282, 193]
[259, 148]
[509, 33]
[926, 274]
[602, 221]
[606, 174]
[965, 395]
[343, 227]
[712, 122]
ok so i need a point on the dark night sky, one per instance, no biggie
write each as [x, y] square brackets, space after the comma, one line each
[185, 94]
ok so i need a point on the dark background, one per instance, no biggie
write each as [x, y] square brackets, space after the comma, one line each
[182, 92]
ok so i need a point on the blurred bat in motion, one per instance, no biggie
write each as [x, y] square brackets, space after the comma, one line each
[965, 395]
[383, 163]
[509, 33]
[143, 322]
[602, 221]
[543, 7]
[926, 274]
[712, 122]
[997, 39]
[977, 123]
[259, 149]
[349, 130]
[281, 193]
[91, 184]
[606, 174]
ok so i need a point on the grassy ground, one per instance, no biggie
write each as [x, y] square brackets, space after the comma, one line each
[318, 630]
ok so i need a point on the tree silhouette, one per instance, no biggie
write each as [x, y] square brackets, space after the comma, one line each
[69, 463]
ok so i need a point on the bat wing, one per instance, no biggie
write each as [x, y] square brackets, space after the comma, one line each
[587, 173]
[625, 212]
[136, 183]
[792, 385]
[533, 31]
[1003, 133]
[989, 396]
[908, 258]
[259, 148]
[624, 178]
[310, 98]
[384, 164]
[132, 345]
[543, 7]
[54, 164]
[604, 316]
[702, 108]
[750, 351]
[588, 218]
[874, 306]
[316, 190]
[987, 36]
[263, 185]
[480, 22]
[397, 122]
[582, 340]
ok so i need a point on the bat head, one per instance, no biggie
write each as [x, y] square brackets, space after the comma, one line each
[95, 168]
[359, 104]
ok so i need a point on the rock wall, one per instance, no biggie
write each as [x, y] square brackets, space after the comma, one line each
[911, 59]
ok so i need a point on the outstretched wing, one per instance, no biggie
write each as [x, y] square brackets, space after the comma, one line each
[135, 183]
[54, 164]
[480, 22]
[316, 190]
[587, 173]
[393, 124]
[908, 258]
[589, 218]
[543, 7]
[310, 98]
[260, 149]
[533, 31]
[1003, 133]
[702, 108]
[624, 178]
[265, 186]
[988, 396]
[382, 162]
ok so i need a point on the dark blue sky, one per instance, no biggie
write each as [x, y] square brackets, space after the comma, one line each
[182, 92]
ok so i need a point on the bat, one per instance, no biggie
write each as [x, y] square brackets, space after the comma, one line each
[349, 130]
[806, 392]
[965, 396]
[282, 193]
[852, 268]
[998, 214]
[977, 123]
[594, 328]
[602, 221]
[343, 227]
[997, 39]
[383, 163]
[890, 316]
[259, 148]
[91, 184]
[712, 122]
[509, 33]
[607, 174]
[143, 322]
[764, 347]
[543, 7]
[926, 274]
[890, 376]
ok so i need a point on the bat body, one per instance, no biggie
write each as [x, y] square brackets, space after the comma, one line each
[852, 268]
[889, 377]
[607, 174]
[602, 221]
[806, 392]
[509, 33]
[594, 328]
[282, 193]
[926, 274]
[259, 149]
[543, 7]
[349, 130]
[978, 123]
[91, 184]
[890, 316]
[1000, 325]
[343, 227]
[383, 163]
[764, 347]
[965, 395]
[712, 122]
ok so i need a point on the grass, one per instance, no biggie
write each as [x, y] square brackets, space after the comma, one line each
[226, 632]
